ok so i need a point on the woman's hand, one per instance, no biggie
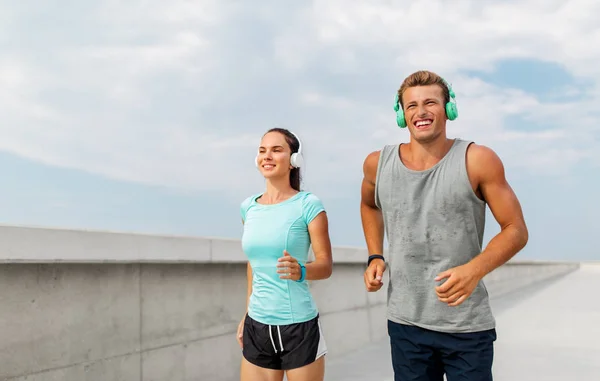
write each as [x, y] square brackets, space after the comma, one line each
[289, 266]
[240, 332]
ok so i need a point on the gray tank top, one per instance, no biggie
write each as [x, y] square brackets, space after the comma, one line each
[433, 222]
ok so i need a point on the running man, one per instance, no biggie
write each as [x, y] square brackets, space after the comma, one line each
[281, 331]
[429, 196]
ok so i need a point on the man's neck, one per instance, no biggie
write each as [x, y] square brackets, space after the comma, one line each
[421, 156]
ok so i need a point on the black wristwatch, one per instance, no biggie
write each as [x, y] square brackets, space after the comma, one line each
[375, 256]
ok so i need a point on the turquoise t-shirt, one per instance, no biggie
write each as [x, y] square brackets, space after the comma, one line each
[268, 230]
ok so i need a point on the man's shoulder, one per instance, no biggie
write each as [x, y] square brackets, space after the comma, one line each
[370, 165]
[481, 153]
[482, 159]
[372, 158]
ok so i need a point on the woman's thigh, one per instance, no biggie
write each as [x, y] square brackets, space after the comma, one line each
[251, 372]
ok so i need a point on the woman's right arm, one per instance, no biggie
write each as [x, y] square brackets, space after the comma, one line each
[240, 330]
[249, 276]
[249, 280]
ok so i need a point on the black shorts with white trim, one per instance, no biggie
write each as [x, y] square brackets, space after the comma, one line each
[283, 347]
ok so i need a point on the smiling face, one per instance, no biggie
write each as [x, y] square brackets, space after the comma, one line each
[425, 112]
[274, 156]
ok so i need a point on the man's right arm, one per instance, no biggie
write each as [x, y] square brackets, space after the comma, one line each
[372, 219]
[372, 222]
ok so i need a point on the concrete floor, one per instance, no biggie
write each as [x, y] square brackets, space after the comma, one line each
[547, 332]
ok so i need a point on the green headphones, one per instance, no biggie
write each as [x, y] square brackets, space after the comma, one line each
[451, 110]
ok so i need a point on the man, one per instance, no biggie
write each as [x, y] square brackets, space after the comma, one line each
[430, 195]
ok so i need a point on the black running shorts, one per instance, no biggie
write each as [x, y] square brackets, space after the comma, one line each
[283, 347]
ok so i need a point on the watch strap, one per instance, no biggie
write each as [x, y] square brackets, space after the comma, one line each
[375, 256]
[302, 273]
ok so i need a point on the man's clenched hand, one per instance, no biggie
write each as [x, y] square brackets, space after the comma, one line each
[460, 283]
[374, 275]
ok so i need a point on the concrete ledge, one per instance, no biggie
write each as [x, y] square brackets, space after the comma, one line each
[47, 245]
[26, 244]
[23, 244]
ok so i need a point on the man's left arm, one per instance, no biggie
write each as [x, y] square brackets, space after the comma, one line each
[488, 172]
[505, 207]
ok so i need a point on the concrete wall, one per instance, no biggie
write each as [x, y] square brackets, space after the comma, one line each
[99, 306]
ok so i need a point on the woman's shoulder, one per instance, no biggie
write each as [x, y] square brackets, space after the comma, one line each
[246, 203]
[248, 200]
[308, 197]
[311, 206]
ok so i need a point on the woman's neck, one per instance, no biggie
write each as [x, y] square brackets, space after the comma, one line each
[278, 191]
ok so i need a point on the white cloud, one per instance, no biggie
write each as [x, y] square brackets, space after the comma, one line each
[464, 34]
[178, 93]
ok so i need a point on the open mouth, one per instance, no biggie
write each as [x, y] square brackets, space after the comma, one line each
[268, 166]
[423, 123]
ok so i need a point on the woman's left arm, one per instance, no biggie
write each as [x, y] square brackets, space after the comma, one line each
[322, 267]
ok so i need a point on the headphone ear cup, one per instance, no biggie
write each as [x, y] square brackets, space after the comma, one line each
[400, 118]
[451, 111]
[399, 112]
[256, 161]
[296, 160]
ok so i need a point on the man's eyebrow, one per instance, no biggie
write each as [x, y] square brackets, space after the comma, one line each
[426, 100]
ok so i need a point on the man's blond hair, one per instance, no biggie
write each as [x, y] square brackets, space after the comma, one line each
[423, 78]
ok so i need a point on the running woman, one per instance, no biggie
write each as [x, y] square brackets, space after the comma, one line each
[281, 331]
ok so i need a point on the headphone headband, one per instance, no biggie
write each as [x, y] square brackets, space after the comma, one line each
[299, 142]
[450, 91]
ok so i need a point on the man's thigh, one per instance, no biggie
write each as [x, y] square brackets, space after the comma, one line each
[413, 356]
[469, 356]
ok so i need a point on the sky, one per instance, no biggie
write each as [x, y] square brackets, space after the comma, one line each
[145, 116]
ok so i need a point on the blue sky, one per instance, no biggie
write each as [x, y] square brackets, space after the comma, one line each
[145, 116]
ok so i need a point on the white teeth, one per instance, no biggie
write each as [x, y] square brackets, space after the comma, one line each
[423, 123]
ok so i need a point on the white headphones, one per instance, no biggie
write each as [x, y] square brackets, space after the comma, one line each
[296, 160]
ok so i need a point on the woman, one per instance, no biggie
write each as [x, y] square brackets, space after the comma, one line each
[281, 331]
